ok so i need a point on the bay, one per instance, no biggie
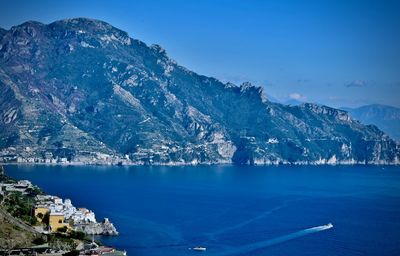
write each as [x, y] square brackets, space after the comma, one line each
[235, 210]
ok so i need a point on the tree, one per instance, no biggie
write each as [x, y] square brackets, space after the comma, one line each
[78, 235]
[46, 218]
[62, 230]
[39, 240]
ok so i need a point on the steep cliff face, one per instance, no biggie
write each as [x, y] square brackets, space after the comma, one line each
[82, 90]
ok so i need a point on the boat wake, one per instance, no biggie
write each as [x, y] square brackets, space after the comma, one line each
[212, 236]
[259, 245]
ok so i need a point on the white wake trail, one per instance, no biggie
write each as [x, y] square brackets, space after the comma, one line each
[212, 236]
[273, 241]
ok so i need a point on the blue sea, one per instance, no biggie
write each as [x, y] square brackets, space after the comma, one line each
[235, 210]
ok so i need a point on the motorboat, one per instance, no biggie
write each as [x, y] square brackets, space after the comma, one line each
[199, 248]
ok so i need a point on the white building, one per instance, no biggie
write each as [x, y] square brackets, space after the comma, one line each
[57, 206]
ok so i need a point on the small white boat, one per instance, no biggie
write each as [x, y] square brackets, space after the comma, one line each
[199, 248]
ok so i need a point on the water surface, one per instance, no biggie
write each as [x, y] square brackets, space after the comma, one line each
[235, 210]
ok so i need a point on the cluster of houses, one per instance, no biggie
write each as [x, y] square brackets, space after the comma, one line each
[28, 155]
[61, 214]
[58, 215]
[55, 213]
[22, 186]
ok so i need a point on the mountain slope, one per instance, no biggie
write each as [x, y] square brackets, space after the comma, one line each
[385, 117]
[82, 90]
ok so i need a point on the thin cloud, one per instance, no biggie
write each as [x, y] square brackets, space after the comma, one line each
[297, 96]
[356, 83]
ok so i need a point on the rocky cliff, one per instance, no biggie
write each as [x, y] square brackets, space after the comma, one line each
[98, 228]
[83, 91]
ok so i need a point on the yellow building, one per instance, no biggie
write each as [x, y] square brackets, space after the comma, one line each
[40, 212]
[56, 221]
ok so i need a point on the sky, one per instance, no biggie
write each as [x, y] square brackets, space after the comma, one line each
[338, 53]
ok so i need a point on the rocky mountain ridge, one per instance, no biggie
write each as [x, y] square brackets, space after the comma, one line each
[81, 91]
[387, 118]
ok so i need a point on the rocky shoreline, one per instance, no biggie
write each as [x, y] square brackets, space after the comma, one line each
[101, 228]
[31, 217]
[256, 162]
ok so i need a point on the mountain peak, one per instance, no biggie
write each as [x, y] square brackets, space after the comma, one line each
[158, 49]
[82, 21]
[30, 23]
[87, 25]
[246, 85]
[249, 88]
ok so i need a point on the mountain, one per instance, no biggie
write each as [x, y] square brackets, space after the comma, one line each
[80, 90]
[387, 118]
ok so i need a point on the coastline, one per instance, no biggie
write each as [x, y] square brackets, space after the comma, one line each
[56, 234]
[322, 162]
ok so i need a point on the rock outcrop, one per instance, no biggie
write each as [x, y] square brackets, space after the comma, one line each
[99, 228]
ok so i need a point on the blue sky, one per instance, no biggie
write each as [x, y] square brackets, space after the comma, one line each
[339, 53]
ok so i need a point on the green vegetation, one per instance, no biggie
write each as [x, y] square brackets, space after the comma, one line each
[20, 206]
[64, 233]
[61, 242]
[39, 240]
[12, 236]
[62, 230]
[78, 235]
[35, 191]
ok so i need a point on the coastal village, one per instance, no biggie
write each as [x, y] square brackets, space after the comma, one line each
[28, 155]
[58, 214]
[52, 215]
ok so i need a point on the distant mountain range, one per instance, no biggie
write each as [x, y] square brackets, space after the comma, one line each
[82, 91]
[387, 118]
